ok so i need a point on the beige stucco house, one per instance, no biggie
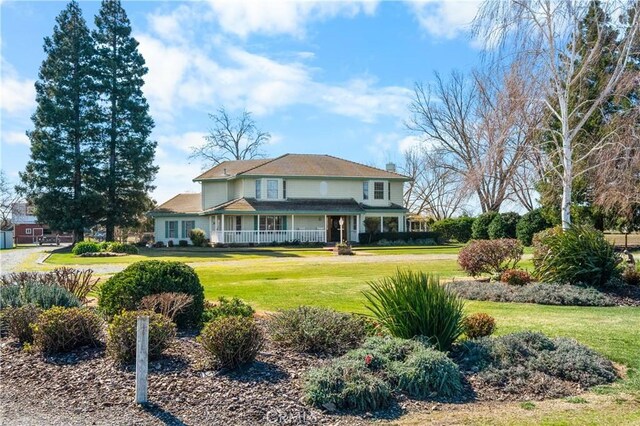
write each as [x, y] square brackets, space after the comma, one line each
[294, 197]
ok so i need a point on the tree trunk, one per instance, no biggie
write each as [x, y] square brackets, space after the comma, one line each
[567, 177]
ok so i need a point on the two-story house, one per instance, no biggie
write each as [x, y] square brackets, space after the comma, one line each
[294, 197]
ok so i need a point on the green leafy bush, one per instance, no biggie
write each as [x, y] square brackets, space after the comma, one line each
[412, 304]
[543, 294]
[530, 224]
[490, 256]
[64, 329]
[104, 246]
[226, 307]
[125, 290]
[347, 385]
[459, 229]
[515, 277]
[183, 243]
[428, 373]
[198, 237]
[480, 227]
[530, 363]
[19, 320]
[316, 330]
[479, 325]
[85, 247]
[497, 228]
[116, 247]
[42, 295]
[510, 220]
[122, 334]
[233, 341]
[578, 255]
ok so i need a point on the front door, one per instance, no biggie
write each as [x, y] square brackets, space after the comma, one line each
[334, 228]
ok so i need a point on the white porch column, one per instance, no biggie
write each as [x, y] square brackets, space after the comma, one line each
[325, 228]
[293, 227]
[381, 224]
[358, 228]
[210, 229]
[258, 229]
[222, 228]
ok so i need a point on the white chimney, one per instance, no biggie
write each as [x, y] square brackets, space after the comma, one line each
[391, 167]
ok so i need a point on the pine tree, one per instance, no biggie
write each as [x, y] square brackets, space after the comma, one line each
[125, 143]
[59, 179]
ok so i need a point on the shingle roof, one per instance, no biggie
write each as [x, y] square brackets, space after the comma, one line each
[308, 165]
[309, 205]
[181, 203]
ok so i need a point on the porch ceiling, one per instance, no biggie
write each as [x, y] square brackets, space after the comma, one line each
[291, 205]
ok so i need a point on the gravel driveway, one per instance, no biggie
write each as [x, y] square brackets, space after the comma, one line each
[11, 259]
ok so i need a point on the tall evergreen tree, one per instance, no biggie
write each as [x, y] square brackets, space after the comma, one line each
[60, 175]
[125, 143]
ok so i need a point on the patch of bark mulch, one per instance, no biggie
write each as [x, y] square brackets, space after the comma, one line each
[626, 295]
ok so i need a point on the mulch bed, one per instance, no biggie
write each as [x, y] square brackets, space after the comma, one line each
[85, 387]
[625, 295]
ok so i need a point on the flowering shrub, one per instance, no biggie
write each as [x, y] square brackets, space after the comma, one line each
[490, 256]
[515, 277]
[479, 325]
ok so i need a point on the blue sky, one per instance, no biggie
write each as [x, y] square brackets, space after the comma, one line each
[321, 77]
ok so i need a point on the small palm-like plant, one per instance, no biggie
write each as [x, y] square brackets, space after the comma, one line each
[414, 304]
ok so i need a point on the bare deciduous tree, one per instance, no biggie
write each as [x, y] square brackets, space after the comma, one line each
[481, 128]
[546, 35]
[231, 139]
[8, 197]
[435, 190]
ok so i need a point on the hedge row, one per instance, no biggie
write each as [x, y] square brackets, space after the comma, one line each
[366, 238]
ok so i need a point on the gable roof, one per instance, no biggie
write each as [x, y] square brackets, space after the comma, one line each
[181, 204]
[292, 205]
[303, 165]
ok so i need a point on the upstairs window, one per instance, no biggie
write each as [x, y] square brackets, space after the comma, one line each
[272, 189]
[258, 188]
[365, 190]
[378, 190]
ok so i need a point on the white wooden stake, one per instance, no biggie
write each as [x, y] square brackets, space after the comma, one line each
[142, 359]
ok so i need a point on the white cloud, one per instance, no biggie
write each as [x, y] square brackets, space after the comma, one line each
[409, 142]
[445, 18]
[243, 17]
[184, 142]
[174, 177]
[17, 94]
[15, 138]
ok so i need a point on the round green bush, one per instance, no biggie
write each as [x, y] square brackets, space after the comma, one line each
[428, 373]
[85, 247]
[116, 247]
[346, 384]
[233, 341]
[64, 329]
[578, 255]
[497, 228]
[479, 325]
[480, 227]
[125, 290]
[458, 229]
[198, 237]
[122, 333]
[226, 307]
[529, 225]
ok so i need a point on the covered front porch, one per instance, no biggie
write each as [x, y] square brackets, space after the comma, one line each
[282, 228]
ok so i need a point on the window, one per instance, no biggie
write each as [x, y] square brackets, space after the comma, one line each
[238, 223]
[389, 190]
[258, 188]
[272, 189]
[171, 229]
[354, 223]
[365, 190]
[284, 189]
[28, 231]
[390, 224]
[271, 223]
[378, 190]
[187, 226]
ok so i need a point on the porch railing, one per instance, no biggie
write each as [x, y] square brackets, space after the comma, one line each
[262, 237]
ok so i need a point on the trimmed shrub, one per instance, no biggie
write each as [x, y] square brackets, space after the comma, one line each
[233, 341]
[64, 329]
[428, 373]
[510, 220]
[42, 295]
[480, 228]
[85, 247]
[125, 290]
[367, 238]
[347, 385]
[578, 255]
[170, 243]
[18, 322]
[479, 325]
[183, 243]
[497, 228]
[412, 304]
[529, 225]
[122, 334]
[515, 277]
[316, 330]
[116, 247]
[543, 294]
[226, 307]
[197, 237]
[104, 246]
[490, 256]
[458, 229]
